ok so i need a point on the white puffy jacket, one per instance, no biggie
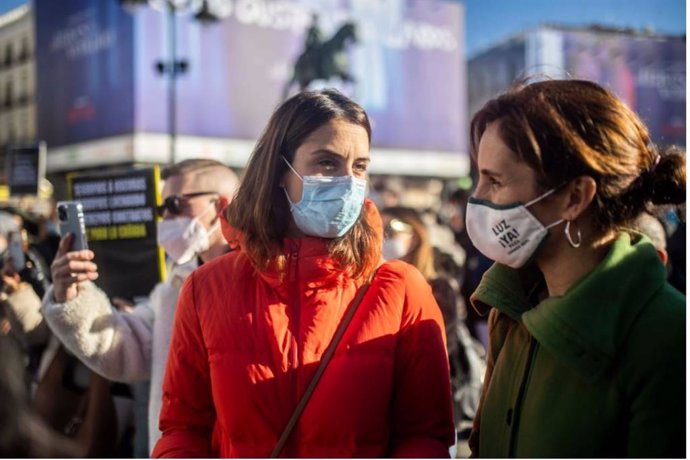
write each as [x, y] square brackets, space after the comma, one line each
[124, 347]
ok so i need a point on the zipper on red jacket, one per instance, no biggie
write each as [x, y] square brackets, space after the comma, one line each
[293, 354]
[292, 312]
[514, 413]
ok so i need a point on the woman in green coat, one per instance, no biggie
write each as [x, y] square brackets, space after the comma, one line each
[587, 339]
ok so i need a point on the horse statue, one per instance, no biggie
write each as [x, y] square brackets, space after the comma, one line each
[322, 61]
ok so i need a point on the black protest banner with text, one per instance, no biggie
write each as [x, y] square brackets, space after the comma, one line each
[121, 226]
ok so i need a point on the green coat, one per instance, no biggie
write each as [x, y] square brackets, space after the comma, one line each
[598, 372]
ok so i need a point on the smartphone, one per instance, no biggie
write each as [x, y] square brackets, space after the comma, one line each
[16, 251]
[71, 218]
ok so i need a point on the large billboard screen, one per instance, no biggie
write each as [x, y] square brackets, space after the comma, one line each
[647, 73]
[98, 77]
[84, 70]
[406, 62]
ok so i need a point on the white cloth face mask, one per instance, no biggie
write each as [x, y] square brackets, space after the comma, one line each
[394, 248]
[508, 234]
[182, 238]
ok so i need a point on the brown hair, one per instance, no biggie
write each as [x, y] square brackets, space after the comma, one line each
[260, 212]
[421, 254]
[564, 129]
[189, 165]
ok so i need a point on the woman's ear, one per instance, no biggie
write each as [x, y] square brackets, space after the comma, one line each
[221, 203]
[579, 195]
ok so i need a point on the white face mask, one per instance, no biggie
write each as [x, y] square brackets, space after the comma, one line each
[182, 238]
[508, 234]
[394, 248]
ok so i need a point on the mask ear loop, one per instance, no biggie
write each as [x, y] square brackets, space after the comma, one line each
[215, 221]
[570, 238]
[296, 173]
[293, 169]
[218, 213]
[539, 198]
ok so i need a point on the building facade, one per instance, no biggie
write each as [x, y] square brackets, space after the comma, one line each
[646, 71]
[17, 77]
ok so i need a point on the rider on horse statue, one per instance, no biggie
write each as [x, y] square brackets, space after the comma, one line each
[314, 34]
[322, 59]
[313, 42]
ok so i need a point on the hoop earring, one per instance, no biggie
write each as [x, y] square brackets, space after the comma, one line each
[570, 238]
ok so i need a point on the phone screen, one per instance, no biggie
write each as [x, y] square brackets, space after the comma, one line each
[16, 251]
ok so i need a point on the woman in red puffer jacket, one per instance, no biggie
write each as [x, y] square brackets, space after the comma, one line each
[253, 326]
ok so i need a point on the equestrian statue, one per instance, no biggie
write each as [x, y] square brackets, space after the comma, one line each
[322, 60]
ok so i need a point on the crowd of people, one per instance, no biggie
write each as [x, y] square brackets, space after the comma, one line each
[307, 313]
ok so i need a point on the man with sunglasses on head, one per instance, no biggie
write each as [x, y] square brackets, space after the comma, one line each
[133, 346]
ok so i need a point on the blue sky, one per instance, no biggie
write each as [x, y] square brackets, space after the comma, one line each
[6, 5]
[490, 21]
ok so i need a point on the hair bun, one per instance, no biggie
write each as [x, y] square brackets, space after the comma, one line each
[667, 184]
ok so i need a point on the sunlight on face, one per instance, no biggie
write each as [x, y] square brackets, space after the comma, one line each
[338, 148]
[503, 178]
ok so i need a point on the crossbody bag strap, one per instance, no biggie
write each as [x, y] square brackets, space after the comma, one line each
[322, 367]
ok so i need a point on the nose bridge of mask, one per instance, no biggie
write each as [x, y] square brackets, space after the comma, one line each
[317, 186]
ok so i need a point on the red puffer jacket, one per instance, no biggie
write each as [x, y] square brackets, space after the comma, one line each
[246, 345]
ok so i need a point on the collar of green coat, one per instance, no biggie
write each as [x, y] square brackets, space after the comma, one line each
[588, 324]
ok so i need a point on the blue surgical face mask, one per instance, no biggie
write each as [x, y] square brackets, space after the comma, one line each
[330, 205]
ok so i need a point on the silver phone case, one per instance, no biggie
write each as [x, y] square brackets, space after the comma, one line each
[71, 218]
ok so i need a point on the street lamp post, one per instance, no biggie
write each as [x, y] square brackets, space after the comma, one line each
[173, 67]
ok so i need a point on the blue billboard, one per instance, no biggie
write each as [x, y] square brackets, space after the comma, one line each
[84, 68]
[97, 68]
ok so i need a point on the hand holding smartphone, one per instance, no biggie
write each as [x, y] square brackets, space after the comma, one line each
[73, 262]
[71, 218]
[16, 251]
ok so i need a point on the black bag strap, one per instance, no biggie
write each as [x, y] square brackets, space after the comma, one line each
[322, 367]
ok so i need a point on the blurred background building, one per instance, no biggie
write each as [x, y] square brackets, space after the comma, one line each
[645, 69]
[109, 83]
[117, 82]
[102, 102]
[17, 76]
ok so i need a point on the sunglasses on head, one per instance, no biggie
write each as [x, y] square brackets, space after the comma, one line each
[173, 203]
